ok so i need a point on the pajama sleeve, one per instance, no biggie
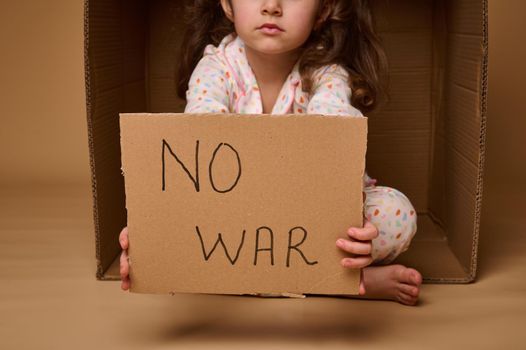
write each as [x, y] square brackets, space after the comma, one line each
[331, 92]
[208, 87]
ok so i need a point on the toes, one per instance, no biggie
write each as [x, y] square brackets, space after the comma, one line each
[409, 276]
[409, 289]
[415, 277]
[406, 299]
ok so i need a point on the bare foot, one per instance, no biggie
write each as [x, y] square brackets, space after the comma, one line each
[391, 282]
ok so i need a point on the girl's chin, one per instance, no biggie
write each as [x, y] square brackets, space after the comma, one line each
[274, 49]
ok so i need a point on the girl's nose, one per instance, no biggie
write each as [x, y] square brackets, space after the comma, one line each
[271, 7]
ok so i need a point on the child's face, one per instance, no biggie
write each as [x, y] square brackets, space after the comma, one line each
[295, 20]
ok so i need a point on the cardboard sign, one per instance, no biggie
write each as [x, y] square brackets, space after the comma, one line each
[242, 204]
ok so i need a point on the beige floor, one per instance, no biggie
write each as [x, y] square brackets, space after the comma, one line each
[50, 299]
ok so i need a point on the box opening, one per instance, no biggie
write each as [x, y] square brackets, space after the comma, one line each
[427, 142]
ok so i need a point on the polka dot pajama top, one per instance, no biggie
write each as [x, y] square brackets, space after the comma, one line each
[223, 81]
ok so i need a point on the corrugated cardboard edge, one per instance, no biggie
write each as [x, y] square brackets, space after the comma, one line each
[99, 273]
[482, 140]
[258, 295]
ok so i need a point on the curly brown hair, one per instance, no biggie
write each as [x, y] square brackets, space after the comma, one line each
[346, 37]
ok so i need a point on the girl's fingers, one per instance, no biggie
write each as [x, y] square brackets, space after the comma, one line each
[367, 233]
[125, 284]
[125, 271]
[354, 247]
[123, 238]
[357, 262]
[362, 290]
[124, 263]
[124, 268]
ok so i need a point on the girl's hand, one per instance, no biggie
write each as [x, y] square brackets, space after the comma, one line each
[359, 244]
[125, 265]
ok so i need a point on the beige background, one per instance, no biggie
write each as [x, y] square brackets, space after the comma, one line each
[43, 138]
[48, 288]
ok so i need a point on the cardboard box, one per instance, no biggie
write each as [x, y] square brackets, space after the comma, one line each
[428, 142]
[242, 204]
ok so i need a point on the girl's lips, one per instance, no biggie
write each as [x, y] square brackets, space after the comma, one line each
[271, 29]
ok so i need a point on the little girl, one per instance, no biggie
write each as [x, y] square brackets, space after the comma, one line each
[301, 56]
